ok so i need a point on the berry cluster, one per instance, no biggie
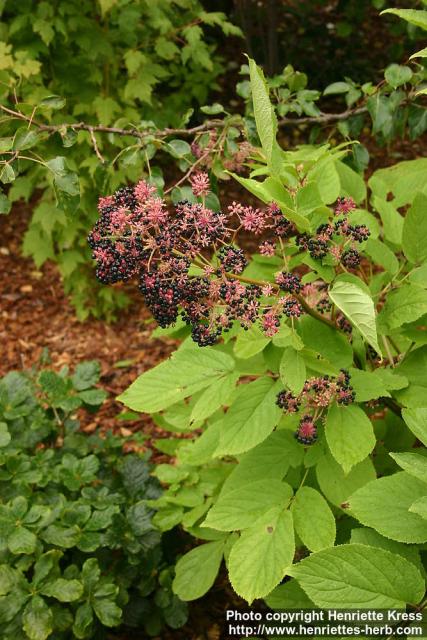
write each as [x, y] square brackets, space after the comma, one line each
[328, 237]
[317, 394]
[137, 236]
[189, 266]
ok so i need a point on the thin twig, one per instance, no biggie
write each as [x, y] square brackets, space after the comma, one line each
[95, 145]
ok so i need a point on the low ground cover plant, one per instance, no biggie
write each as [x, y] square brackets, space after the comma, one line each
[304, 377]
[79, 554]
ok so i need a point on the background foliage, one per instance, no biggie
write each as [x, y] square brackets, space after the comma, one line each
[78, 551]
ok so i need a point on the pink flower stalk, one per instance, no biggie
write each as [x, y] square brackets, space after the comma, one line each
[267, 249]
[200, 184]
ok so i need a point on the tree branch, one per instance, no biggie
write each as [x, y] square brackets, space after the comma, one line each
[209, 125]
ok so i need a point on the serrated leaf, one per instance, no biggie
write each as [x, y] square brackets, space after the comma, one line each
[368, 385]
[383, 504]
[190, 582]
[270, 459]
[336, 485]
[288, 596]
[358, 307]
[249, 343]
[187, 371]
[215, 396]
[265, 116]
[416, 419]
[240, 507]
[349, 434]
[417, 17]
[364, 535]
[414, 235]
[353, 576]
[261, 557]
[313, 519]
[413, 463]
[86, 375]
[292, 370]
[251, 418]
[420, 507]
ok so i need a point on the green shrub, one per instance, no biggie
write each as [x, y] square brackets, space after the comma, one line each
[78, 550]
[307, 470]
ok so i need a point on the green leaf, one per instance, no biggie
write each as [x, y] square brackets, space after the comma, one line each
[7, 174]
[65, 537]
[250, 342]
[383, 504]
[63, 590]
[66, 184]
[406, 304]
[313, 519]
[212, 109]
[251, 418]
[352, 184]
[358, 308]
[5, 204]
[336, 485]
[218, 394]
[179, 148]
[5, 436]
[265, 116]
[353, 576]
[416, 419]
[420, 507]
[188, 370]
[86, 375]
[22, 541]
[263, 554]
[288, 596]
[190, 582]
[397, 74]
[412, 463]
[391, 219]
[417, 17]
[8, 579]
[382, 255]
[422, 53]
[82, 621]
[52, 102]
[364, 535]
[336, 87]
[414, 236]
[37, 619]
[349, 434]
[270, 459]
[368, 385]
[240, 507]
[25, 139]
[327, 341]
[107, 612]
[292, 370]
